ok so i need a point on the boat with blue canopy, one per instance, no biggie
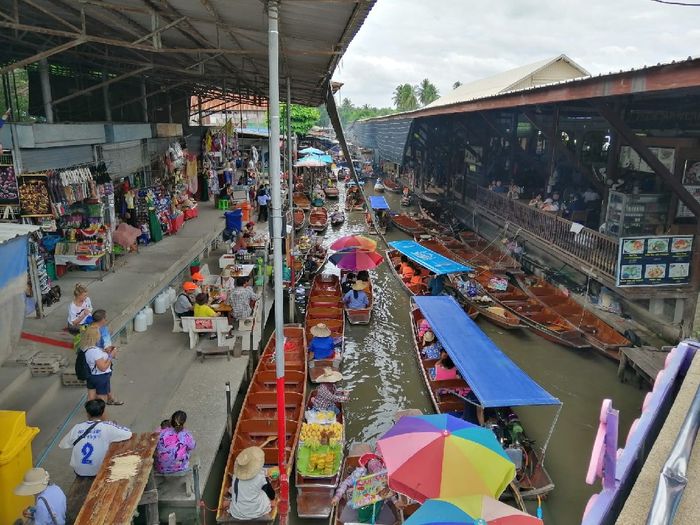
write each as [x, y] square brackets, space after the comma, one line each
[377, 218]
[477, 381]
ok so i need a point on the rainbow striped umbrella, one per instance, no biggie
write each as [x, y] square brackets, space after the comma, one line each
[469, 510]
[354, 241]
[440, 456]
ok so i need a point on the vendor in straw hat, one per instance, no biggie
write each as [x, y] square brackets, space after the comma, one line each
[356, 298]
[251, 492]
[50, 507]
[327, 395]
[322, 344]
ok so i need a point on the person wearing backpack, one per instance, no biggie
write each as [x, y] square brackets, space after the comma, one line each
[95, 365]
[90, 441]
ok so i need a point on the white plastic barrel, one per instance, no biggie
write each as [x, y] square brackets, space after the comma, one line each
[161, 303]
[149, 315]
[140, 322]
[172, 295]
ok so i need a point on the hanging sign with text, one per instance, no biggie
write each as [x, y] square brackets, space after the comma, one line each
[654, 261]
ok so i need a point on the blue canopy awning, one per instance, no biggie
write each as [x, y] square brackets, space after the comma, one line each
[377, 202]
[431, 260]
[322, 157]
[313, 151]
[495, 379]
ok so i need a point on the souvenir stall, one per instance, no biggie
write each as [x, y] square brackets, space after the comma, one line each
[9, 193]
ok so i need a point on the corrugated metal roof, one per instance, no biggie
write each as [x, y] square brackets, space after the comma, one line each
[535, 74]
[10, 231]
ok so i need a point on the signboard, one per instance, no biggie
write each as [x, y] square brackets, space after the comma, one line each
[368, 490]
[654, 261]
[691, 181]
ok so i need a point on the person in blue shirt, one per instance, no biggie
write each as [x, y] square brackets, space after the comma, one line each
[322, 344]
[50, 505]
[436, 284]
[356, 298]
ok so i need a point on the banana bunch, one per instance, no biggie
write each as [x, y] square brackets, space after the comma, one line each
[311, 434]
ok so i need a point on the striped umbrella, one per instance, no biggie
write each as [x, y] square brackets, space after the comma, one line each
[354, 241]
[469, 510]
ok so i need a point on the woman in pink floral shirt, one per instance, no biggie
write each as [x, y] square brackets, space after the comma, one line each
[174, 446]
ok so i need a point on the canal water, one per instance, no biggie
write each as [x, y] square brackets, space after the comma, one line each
[383, 376]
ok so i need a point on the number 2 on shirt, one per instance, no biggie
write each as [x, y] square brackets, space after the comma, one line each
[87, 451]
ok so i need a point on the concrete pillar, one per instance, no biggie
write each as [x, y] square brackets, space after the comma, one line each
[105, 98]
[45, 90]
[144, 100]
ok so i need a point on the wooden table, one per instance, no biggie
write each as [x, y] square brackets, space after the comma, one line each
[115, 502]
[222, 308]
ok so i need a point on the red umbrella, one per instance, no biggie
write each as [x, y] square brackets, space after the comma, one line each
[356, 260]
[354, 241]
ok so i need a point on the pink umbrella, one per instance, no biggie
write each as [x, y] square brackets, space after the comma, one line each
[356, 260]
[354, 241]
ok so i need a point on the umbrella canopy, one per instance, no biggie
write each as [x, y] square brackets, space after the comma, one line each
[327, 159]
[356, 260]
[354, 241]
[468, 510]
[440, 456]
[309, 162]
[314, 151]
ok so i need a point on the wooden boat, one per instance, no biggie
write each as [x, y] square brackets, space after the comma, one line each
[358, 204]
[406, 200]
[337, 218]
[299, 219]
[312, 265]
[301, 201]
[597, 332]
[331, 192]
[315, 491]
[257, 423]
[495, 313]
[342, 514]
[325, 305]
[360, 315]
[532, 480]
[392, 186]
[544, 321]
[318, 219]
[378, 186]
[407, 224]
[371, 228]
[492, 250]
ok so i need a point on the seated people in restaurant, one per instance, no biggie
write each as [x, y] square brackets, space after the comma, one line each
[356, 298]
[242, 299]
[184, 304]
[241, 244]
[347, 282]
[445, 368]
[228, 283]
[322, 344]
[499, 187]
[202, 308]
[536, 201]
[175, 444]
[327, 394]
[251, 491]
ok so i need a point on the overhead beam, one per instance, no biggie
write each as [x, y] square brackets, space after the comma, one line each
[100, 85]
[645, 153]
[43, 54]
[159, 30]
[50, 14]
[163, 89]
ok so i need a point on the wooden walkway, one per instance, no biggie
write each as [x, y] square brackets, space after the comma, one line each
[645, 362]
[115, 502]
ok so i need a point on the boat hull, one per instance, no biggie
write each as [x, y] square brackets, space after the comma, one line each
[325, 305]
[360, 315]
[318, 219]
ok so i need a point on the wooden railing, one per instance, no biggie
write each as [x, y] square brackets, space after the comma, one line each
[588, 246]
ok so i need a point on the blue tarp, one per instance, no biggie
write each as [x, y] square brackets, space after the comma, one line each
[378, 203]
[312, 151]
[428, 258]
[323, 158]
[13, 259]
[495, 379]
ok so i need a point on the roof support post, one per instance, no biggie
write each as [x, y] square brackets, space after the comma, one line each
[46, 89]
[144, 99]
[105, 97]
[290, 190]
[276, 190]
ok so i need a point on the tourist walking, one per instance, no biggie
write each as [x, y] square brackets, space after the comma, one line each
[263, 200]
[99, 364]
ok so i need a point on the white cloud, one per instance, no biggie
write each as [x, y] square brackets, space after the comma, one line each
[449, 40]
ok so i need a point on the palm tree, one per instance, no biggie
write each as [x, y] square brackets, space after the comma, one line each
[427, 92]
[404, 97]
[456, 85]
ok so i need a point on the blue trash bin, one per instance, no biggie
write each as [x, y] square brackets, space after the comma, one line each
[234, 220]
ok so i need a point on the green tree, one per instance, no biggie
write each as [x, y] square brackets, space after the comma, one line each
[405, 97]
[456, 85]
[303, 118]
[427, 92]
[350, 113]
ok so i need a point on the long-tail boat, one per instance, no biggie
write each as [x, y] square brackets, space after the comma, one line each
[325, 305]
[318, 219]
[301, 201]
[597, 332]
[488, 380]
[407, 224]
[257, 423]
[495, 313]
[360, 315]
[392, 185]
[354, 201]
[492, 250]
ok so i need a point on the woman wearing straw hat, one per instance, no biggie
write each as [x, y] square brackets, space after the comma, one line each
[50, 508]
[322, 344]
[356, 298]
[327, 395]
[251, 492]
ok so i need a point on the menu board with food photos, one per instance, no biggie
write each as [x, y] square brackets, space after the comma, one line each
[654, 261]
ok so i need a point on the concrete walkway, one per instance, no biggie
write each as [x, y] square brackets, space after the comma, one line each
[154, 374]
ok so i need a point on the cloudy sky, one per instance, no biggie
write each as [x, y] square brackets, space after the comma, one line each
[449, 40]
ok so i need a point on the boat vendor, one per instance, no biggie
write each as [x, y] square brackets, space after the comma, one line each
[327, 394]
[184, 304]
[322, 344]
[356, 298]
[251, 491]
[368, 464]
[363, 275]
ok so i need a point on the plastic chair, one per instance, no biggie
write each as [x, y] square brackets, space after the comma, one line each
[177, 321]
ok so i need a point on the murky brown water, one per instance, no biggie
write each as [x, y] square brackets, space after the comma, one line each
[383, 375]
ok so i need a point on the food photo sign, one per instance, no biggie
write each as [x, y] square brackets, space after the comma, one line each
[654, 261]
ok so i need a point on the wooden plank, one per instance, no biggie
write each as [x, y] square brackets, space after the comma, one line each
[646, 360]
[115, 502]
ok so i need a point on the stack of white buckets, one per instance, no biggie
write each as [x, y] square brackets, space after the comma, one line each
[144, 318]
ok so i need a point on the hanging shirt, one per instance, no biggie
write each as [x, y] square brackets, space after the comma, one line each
[89, 452]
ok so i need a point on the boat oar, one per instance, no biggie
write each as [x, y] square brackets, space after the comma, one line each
[267, 441]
